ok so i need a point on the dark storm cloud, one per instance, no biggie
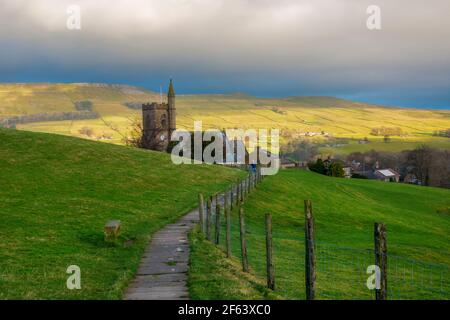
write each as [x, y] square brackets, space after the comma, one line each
[262, 47]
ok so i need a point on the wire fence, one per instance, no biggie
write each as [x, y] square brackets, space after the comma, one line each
[344, 273]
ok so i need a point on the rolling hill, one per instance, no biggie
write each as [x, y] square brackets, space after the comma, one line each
[294, 116]
[345, 210]
[56, 194]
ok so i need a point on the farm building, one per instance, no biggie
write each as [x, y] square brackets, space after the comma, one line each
[387, 175]
[347, 172]
[287, 164]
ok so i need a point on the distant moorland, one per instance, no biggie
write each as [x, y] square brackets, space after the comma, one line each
[106, 112]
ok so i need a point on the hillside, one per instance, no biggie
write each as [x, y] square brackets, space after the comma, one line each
[418, 232]
[294, 116]
[56, 193]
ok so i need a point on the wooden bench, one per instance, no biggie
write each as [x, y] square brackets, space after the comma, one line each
[112, 230]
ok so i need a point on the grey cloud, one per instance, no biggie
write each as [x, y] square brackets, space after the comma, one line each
[322, 43]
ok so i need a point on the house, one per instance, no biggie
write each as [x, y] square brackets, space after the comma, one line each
[303, 165]
[387, 175]
[355, 165]
[412, 179]
[287, 164]
[347, 172]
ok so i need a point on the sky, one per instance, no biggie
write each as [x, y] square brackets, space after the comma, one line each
[261, 47]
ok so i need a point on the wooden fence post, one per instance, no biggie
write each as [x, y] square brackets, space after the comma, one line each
[237, 192]
[241, 187]
[381, 259]
[310, 258]
[228, 231]
[243, 241]
[225, 200]
[201, 207]
[231, 197]
[217, 234]
[269, 253]
[248, 184]
[245, 186]
[208, 218]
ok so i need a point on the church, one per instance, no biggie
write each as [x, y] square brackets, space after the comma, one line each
[159, 122]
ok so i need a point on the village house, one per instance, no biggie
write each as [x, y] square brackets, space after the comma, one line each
[363, 141]
[387, 175]
[347, 172]
[287, 164]
[412, 179]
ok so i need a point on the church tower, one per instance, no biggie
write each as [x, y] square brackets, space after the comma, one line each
[159, 122]
[172, 111]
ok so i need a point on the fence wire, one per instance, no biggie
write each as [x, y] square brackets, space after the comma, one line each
[342, 272]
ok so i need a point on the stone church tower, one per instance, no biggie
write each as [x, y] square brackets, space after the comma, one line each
[158, 122]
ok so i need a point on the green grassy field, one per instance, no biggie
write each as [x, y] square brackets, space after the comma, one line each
[418, 233]
[56, 193]
[293, 116]
[214, 277]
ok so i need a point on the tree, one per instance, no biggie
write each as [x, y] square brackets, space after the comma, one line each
[421, 159]
[329, 167]
[134, 136]
[318, 166]
[301, 150]
[85, 105]
[336, 170]
[87, 131]
[383, 131]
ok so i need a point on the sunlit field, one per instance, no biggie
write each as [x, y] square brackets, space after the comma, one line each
[325, 117]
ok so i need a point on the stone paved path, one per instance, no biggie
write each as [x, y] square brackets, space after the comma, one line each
[162, 274]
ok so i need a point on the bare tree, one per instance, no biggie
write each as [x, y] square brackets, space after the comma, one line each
[152, 139]
[134, 136]
[300, 150]
[420, 160]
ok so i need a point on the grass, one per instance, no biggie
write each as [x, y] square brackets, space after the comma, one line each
[56, 195]
[395, 145]
[341, 118]
[345, 210]
[214, 277]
